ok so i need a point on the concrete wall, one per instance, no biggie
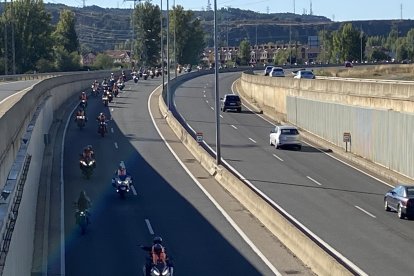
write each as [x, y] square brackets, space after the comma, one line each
[30, 118]
[378, 114]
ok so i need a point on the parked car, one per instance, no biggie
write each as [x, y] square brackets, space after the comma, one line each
[348, 64]
[401, 200]
[230, 101]
[285, 136]
[304, 74]
[277, 72]
[267, 70]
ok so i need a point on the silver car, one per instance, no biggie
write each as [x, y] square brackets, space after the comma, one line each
[285, 136]
[267, 70]
[277, 72]
[304, 74]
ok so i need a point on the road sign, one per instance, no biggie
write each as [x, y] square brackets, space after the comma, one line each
[199, 137]
[347, 137]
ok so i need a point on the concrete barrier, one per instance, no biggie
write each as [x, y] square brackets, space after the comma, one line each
[22, 145]
[298, 241]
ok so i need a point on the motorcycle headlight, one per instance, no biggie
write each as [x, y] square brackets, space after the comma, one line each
[155, 271]
[90, 163]
[119, 182]
[83, 162]
[165, 271]
[82, 213]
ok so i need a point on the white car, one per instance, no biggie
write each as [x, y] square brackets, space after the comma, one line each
[285, 136]
[267, 70]
[277, 72]
[304, 74]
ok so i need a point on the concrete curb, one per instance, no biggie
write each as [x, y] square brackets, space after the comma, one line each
[297, 241]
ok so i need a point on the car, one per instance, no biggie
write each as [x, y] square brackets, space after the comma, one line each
[267, 70]
[401, 200]
[277, 72]
[348, 64]
[304, 74]
[230, 101]
[285, 136]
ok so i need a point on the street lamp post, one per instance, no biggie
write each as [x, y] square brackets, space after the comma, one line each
[168, 57]
[216, 88]
[162, 50]
[175, 55]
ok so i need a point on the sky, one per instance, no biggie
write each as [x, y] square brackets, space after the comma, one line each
[337, 10]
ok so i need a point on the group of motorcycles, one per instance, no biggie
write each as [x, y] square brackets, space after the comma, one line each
[146, 73]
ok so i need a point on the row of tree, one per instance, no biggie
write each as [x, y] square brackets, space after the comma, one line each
[31, 43]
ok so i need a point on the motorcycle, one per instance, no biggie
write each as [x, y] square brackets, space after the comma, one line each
[102, 128]
[80, 120]
[158, 72]
[152, 74]
[105, 99]
[82, 219]
[122, 185]
[87, 166]
[116, 92]
[83, 104]
[145, 75]
[160, 268]
[120, 85]
[135, 78]
[95, 91]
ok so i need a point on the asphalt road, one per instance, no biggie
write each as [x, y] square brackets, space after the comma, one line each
[9, 88]
[340, 204]
[197, 237]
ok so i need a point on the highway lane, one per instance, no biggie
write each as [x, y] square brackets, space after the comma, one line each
[9, 88]
[195, 233]
[340, 204]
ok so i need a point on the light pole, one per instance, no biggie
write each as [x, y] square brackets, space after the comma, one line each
[216, 88]
[168, 57]
[162, 50]
[175, 55]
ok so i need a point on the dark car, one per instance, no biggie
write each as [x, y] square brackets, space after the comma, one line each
[230, 101]
[400, 199]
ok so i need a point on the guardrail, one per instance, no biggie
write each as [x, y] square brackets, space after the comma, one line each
[313, 251]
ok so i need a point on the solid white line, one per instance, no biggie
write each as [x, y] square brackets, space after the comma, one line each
[278, 157]
[151, 231]
[112, 110]
[252, 140]
[223, 212]
[133, 190]
[112, 130]
[313, 180]
[62, 198]
[116, 145]
[366, 212]
[212, 108]
[18, 92]
[233, 126]
[337, 159]
[206, 101]
[204, 96]
[221, 116]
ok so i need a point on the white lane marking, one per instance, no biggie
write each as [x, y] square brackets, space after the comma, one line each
[252, 140]
[206, 101]
[366, 212]
[337, 159]
[14, 94]
[116, 145]
[313, 180]
[221, 116]
[150, 230]
[212, 108]
[233, 126]
[204, 96]
[112, 130]
[112, 110]
[278, 157]
[223, 212]
[133, 190]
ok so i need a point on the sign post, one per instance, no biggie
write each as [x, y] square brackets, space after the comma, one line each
[199, 137]
[347, 139]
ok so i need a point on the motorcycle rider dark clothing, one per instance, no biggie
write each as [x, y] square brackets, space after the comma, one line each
[83, 203]
[88, 153]
[102, 119]
[80, 112]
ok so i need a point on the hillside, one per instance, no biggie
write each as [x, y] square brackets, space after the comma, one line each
[100, 29]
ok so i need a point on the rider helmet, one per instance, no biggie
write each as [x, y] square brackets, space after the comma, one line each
[157, 240]
[101, 114]
[157, 248]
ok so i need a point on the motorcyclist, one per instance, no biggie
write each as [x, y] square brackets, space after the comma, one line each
[121, 173]
[102, 119]
[88, 153]
[83, 203]
[104, 83]
[157, 253]
[80, 112]
[83, 96]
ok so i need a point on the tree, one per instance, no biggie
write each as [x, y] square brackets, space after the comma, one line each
[32, 33]
[65, 33]
[189, 36]
[103, 61]
[326, 38]
[347, 43]
[148, 26]
[244, 53]
[281, 56]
